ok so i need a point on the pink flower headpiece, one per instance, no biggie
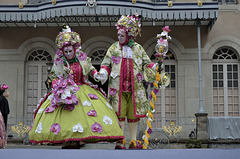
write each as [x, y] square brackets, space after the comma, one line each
[3, 87]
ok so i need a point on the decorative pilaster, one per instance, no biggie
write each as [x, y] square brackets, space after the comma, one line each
[201, 124]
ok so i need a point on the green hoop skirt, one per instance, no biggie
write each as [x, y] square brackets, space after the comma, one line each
[92, 120]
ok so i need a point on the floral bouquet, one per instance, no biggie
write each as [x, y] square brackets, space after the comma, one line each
[64, 93]
[64, 88]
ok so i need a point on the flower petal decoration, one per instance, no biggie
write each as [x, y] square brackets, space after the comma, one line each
[140, 93]
[119, 124]
[96, 127]
[55, 128]
[115, 59]
[109, 106]
[92, 96]
[82, 56]
[156, 91]
[139, 77]
[87, 103]
[150, 96]
[92, 113]
[138, 61]
[49, 109]
[31, 126]
[149, 131]
[78, 128]
[69, 107]
[114, 74]
[107, 120]
[40, 110]
[4, 87]
[112, 91]
[39, 128]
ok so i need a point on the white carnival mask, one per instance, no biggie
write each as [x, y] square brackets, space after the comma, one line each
[68, 52]
[121, 36]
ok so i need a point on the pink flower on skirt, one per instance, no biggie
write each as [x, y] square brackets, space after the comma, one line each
[92, 96]
[49, 109]
[69, 107]
[55, 128]
[96, 127]
[92, 113]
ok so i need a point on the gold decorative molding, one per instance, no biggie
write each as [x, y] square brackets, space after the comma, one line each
[199, 3]
[20, 129]
[20, 5]
[134, 1]
[54, 2]
[170, 3]
[172, 129]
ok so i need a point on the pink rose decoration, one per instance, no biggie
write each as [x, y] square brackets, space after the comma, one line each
[55, 128]
[92, 113]
[96, 127]
[49, 109]
[69, 107]
[92, 96]
[112, 91]
[54, 83]
[139, 77]
[115, 59]
[82, 56]
[3, 87]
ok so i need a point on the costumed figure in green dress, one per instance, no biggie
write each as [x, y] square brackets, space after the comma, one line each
[75, 109]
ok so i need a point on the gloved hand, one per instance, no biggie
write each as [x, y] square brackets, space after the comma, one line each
[96, 77]
[102, 76]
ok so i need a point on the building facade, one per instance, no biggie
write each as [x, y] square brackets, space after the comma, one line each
[27, 42]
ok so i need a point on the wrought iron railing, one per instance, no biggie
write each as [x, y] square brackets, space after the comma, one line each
[152, 1]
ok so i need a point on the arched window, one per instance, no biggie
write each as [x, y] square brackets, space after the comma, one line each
[166, 103]
[98, 55]
[225, 81]
[36, 75]
[39, 55]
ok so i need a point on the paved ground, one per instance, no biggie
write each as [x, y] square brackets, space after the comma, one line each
[27, 153]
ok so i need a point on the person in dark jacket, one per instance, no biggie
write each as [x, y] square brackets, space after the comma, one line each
[4, 106]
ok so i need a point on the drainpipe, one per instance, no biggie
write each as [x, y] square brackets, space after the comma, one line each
[201, 109]
[201, 117]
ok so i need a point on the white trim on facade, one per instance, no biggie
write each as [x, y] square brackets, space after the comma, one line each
[179, 11]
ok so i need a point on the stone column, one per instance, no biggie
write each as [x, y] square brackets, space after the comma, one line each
[201, 121]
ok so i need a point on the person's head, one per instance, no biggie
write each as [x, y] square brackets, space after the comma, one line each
[130, 24]
[6, 94]
[69, 52]
[3, 87]
[68, 43]
[122, 36]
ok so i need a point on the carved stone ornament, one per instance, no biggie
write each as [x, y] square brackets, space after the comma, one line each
[91, 3]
